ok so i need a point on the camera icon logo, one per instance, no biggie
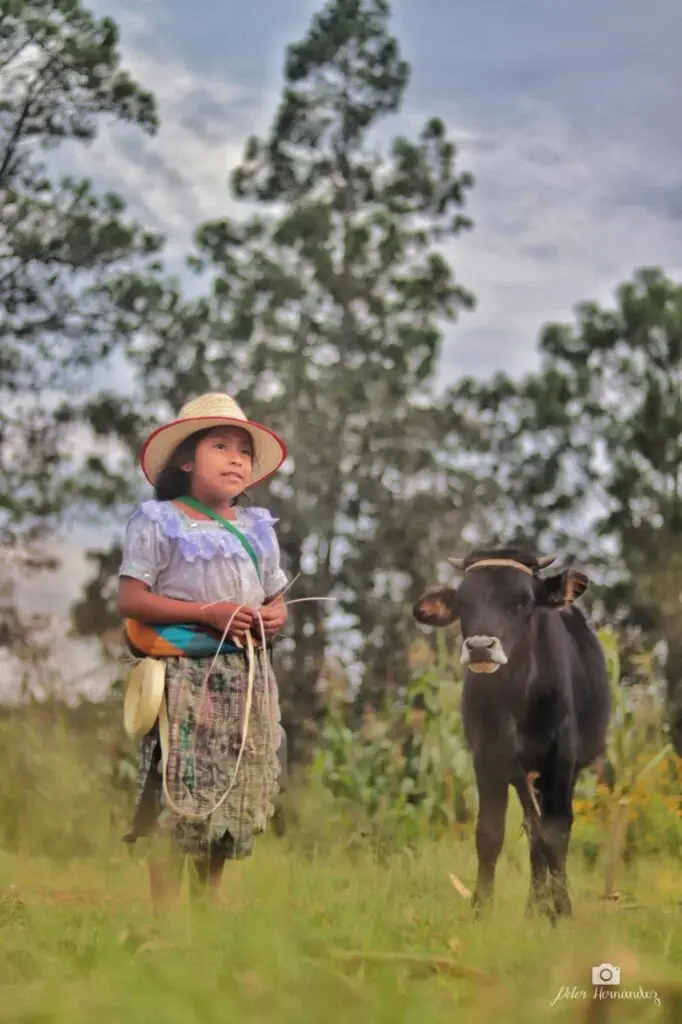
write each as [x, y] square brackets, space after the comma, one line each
[606, 974]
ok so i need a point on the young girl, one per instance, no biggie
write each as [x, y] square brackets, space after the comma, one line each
[191, 557]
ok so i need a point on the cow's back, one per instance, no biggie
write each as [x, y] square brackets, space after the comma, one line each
[589, 684]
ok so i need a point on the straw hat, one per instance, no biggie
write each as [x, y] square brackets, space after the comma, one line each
[211, 410]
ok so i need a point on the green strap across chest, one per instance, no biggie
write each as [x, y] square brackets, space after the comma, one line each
[200, 507]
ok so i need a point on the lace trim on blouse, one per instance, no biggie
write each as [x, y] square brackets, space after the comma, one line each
[194, 542]
[192, 559]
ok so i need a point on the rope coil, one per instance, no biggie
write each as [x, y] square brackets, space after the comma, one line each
[252, 660]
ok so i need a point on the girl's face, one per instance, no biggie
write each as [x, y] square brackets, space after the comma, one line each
[222, 465]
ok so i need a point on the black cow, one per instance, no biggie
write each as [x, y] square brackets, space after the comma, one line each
[535, 699]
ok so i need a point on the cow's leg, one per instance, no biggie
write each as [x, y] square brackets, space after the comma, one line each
[538, 894]
[557, 821]
[493, 794]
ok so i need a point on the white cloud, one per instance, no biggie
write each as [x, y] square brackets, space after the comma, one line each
[179, 178]
[550, 231]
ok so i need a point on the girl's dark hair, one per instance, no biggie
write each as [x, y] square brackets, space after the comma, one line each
[174, 482]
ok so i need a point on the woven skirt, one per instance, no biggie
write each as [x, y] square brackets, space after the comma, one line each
[205, 736]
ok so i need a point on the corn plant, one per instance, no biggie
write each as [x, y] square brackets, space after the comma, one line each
[631, 749]
[407, 764]
[632, 753]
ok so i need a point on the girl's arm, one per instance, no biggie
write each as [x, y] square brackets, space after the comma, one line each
[274, 611]
[136, 601]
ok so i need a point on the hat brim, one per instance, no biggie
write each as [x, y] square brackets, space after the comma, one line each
[270, 451]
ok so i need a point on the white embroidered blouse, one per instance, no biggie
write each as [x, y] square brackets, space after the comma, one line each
[199, 560]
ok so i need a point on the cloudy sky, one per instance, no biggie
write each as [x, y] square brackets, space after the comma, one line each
[566, 112]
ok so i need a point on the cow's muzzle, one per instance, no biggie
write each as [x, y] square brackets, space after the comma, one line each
[483, 654]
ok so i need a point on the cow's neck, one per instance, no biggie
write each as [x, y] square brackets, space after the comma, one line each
[519, 675]
[522, 664]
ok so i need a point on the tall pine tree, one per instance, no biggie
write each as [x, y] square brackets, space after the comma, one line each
[65, 256]
[324, 319]
[588, 452]
[624, 368]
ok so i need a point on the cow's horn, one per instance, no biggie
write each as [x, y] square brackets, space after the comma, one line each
[457, 562]
[546, 561]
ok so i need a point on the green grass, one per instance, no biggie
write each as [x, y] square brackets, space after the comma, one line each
[78, 942]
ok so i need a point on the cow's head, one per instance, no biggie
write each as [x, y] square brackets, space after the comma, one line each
[495, 602]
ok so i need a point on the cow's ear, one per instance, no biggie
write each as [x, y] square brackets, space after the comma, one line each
[563, 589]
[439, 606]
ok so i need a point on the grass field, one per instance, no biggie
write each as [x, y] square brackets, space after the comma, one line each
[78, 942]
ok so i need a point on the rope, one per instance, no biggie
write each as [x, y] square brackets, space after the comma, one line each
[502, 562]
[252, 659]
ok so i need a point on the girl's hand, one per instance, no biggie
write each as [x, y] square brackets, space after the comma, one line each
[217, 616]
[274, 616]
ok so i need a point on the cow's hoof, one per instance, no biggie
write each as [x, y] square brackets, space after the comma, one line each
[563, 909]
[481, 907]
[539, 905]
[533, 907]
[562, 904]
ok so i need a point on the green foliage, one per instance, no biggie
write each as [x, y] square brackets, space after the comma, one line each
[57, 795]
[67, 256]
[587, 454]
[625, 367]
[631, 737]
[639, 767]
[62, 249]
[404, 773]
[78, 939]
[80, 944]
[60, 72]
[655, 826]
